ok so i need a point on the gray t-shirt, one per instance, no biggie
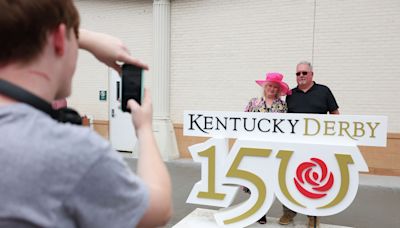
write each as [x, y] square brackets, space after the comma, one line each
[61, 175]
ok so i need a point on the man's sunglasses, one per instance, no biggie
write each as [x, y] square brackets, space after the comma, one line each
[304, 73]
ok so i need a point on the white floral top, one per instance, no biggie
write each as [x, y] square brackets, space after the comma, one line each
[260, 105]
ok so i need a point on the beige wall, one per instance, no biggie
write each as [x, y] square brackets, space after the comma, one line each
[357, 53]
[220, 47]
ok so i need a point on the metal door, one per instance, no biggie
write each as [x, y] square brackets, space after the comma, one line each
[121, 130]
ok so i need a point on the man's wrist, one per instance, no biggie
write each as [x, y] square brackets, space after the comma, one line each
[143, 130]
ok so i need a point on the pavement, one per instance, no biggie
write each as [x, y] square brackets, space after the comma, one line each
[377, 203]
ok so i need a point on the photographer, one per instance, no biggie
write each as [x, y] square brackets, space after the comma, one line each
[63, 175]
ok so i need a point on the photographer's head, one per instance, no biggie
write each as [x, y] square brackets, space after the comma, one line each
[39, 43]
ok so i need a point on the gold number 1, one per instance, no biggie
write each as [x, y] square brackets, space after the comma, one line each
[210, 194]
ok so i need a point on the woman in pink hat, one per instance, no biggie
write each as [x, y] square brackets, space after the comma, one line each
[273, 89]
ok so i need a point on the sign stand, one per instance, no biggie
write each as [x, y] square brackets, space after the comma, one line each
[309, 162]
[200, 218]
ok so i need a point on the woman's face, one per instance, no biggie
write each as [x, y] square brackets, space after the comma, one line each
[271, 90]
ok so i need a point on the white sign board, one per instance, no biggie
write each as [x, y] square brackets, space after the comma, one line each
[288, 127]
[311, 163]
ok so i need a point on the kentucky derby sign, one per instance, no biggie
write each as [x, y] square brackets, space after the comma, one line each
[309, 162]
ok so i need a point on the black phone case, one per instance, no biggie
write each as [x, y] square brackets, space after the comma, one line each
[131, 85]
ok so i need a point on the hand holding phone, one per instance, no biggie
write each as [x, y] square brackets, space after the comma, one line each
[132, 85]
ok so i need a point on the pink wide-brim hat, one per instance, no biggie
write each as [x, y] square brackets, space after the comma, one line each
[277, 78]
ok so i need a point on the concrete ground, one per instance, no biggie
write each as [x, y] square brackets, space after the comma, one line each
[376, 205]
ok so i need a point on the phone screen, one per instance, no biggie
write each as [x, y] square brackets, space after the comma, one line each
[132, 82]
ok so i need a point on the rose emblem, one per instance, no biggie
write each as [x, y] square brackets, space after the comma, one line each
[312, 179]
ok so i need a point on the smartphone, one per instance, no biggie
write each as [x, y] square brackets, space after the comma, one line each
[132, 85]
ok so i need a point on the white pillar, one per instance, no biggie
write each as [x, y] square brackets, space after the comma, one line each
[163, 128]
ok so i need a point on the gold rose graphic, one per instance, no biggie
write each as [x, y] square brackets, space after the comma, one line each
[312, 179]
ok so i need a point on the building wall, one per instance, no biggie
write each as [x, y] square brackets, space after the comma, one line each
[220, 47]
[357, 54]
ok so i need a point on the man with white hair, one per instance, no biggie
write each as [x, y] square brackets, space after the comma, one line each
[308, 97]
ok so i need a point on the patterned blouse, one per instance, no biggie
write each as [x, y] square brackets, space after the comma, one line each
[260, 105]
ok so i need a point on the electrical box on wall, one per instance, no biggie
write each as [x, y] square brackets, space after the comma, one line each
[102, 95]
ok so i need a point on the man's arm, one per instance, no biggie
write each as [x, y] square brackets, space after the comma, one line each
[107, 49]
[331, 102]
[335, 112]
[151, 168]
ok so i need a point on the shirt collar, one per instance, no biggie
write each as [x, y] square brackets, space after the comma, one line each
[301, 91]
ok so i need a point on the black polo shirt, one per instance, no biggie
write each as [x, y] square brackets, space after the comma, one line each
[318, 100]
